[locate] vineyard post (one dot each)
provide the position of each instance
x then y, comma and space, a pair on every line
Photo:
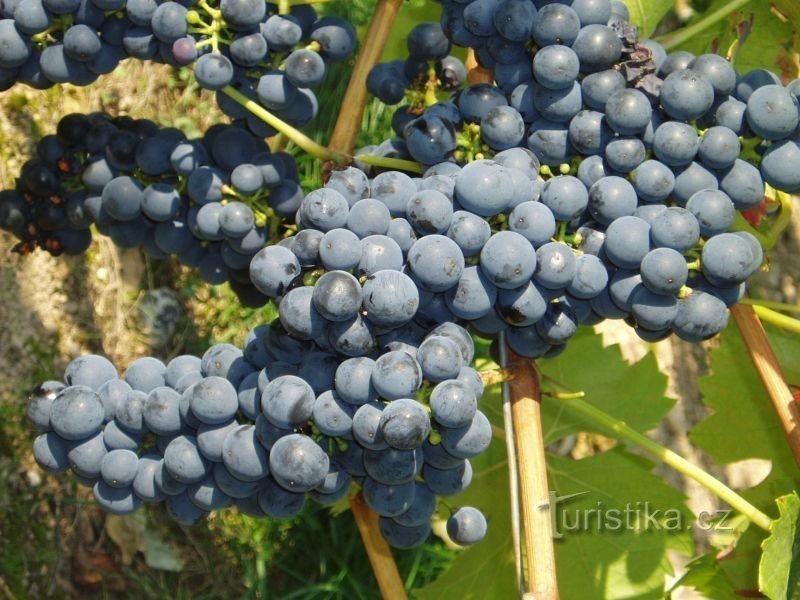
343, 140
536, 509
769, 370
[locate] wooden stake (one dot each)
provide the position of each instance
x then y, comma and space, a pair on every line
348, 124
475, 72
540, 561
769, 370
380, 555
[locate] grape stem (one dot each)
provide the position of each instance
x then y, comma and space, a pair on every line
684, 34
378, 551
769, 369
391, 163
492, 376
284, 7
794, 308
306, 143
771, 316
621, 431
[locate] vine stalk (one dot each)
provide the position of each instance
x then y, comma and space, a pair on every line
378, 551
622, 431
537, 525
765, 362
348, 124
295, 135
682, 35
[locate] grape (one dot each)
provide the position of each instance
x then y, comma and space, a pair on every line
700, 316
297, 463
453, 404
116, 500
368, 217
450, 481
183, 460
675, 228
145, 374
439, 358
664, 271
278, 502
776, 165
161, 411
210, 439
91, 371
743, 184
558, 324
597, 47
470, 440
76, 413
717, 70
653, 181
86, 455
692, 179
555, 67
214, 400
565, 196
50, 452
611, 198
508, 260
502, 128
719, 147
686, 95
243, 454
713, 210
726, 259
469, 232
144, 483
675, 144
555, 265
772, 112
590, 277
119, 467
466, 526
483, 188
273, 269
556, 24
628, 112
624, 154
436, 262
597, 88
627, 241
404, 424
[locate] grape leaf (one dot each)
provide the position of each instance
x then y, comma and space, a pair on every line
631, 393
767, 45
600, 558
779, 569
647, 14
742, 411
487, 569
704, 574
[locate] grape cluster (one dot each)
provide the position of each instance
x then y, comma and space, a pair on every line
428, 69
275, 59
210, 201
266, 427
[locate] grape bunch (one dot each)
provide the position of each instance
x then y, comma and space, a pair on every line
267, 427
274, 59
428, 69
213, 202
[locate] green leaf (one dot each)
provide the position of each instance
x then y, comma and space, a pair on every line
647, 14
779, 569
768, 44
743, 425
487, 569
598, 557
631, 393
704, 575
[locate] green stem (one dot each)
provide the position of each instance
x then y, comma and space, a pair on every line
795, 308
392, 163
686, 33
742, 224
284, 7
622, 431
783, 219
306, 143
776, 318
